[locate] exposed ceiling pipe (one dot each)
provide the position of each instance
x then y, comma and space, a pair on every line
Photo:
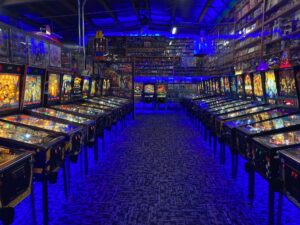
79, 23
83, 32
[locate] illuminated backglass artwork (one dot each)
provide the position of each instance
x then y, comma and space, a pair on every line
233, 85
66, 87
258, 85
9, 91
271, 89
54, 87
248, 85
85, 87
77, 86
227, 85
240, 85
33, 90
287, 83
93, 88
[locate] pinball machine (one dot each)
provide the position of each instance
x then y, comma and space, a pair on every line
289, 173
286, 105
48, 147
71, 97
273, 135
15, 181
32, 97
52, 96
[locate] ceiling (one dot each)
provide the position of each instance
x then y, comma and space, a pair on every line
115, 17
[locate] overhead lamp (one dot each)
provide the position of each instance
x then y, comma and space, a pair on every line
174, 30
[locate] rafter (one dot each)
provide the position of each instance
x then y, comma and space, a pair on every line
18, 2
173, 12
204, 11
109, 10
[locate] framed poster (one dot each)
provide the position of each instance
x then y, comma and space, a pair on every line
38, 52
66, 58
18, 47
4, 47
55, 55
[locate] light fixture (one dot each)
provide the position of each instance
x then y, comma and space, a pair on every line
174, 30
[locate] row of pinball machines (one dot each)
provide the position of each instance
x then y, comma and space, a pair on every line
47, 118
255, 115
149, 93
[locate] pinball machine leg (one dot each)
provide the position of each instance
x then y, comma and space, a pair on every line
69, 174
279, 208
32, 203
45, 200
210, 138
215, 145
205, 134
271, 207
65, 179
251, 180
86, 160
96, 150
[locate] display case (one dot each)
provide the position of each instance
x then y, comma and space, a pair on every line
290, 173
265, 151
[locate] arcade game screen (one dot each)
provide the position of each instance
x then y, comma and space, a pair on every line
161, 89
149, 89
54, 87
93, 88
287, 84
67, 86
271, 89
138, 88
233, 84
227, 85
77, 86
258, 85
33, 90
248, 85
85, 87
9, 91
240, 85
